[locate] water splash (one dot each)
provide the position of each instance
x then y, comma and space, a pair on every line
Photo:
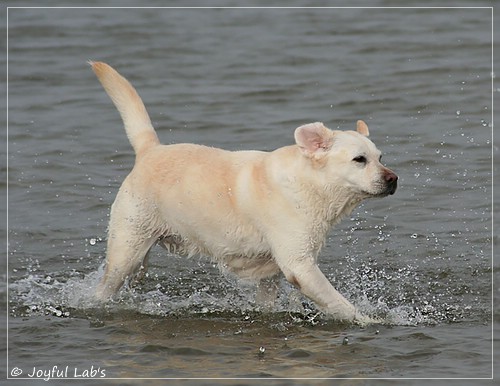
52, 294
395, 295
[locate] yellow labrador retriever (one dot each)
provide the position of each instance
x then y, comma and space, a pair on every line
255, 213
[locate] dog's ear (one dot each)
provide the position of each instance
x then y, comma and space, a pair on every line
362, 128
313, 137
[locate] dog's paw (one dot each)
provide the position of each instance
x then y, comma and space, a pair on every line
364, 320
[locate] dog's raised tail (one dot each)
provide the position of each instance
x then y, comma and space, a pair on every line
138, 127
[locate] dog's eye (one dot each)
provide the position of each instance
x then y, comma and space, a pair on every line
360, 159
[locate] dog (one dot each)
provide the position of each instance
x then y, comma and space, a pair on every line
254, 213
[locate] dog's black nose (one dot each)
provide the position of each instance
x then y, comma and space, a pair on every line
390, 177
392, 182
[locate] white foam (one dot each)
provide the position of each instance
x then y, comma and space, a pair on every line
55, 295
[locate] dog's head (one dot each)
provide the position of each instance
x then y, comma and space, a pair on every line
346, 158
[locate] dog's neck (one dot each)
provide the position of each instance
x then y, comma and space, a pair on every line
338, 208
335, 204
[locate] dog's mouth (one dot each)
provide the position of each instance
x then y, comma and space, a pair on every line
388, 189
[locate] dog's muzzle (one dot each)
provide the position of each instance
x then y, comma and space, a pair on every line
391, 181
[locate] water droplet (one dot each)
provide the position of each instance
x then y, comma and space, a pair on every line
414, 236
345, 342
92, 241
458, 112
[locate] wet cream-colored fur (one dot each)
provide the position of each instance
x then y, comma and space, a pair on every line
256, 213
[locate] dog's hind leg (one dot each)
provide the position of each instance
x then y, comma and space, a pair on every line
125, 257
143, 269
130, 237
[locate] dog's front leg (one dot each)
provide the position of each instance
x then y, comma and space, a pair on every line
308, 278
